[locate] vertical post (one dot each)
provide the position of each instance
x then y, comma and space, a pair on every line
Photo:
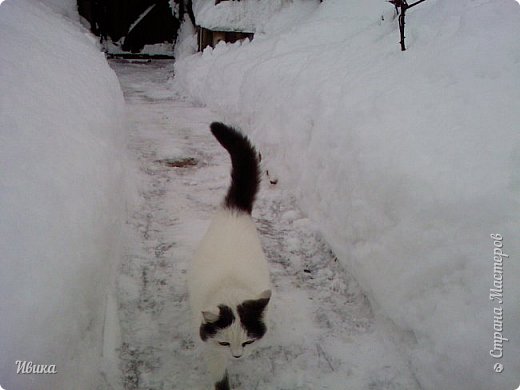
402, 15
403, 5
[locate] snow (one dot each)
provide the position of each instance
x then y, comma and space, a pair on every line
394, 169
62, 200
141, 17
323, 332
186, 43
408, 161
67, 8
245, 15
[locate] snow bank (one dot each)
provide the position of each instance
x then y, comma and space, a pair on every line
186, 43
409, 161
248, 16
62, 201
68, 8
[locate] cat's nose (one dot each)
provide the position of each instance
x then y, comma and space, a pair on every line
237, 351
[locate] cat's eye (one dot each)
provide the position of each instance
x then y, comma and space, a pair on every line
248, 342
223, 343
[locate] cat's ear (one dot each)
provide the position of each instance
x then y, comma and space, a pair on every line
210, 317
251, 313
265, 295
258, 304
263, 299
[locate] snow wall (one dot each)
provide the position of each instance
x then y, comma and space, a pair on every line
409, 161
62, 201
68, 8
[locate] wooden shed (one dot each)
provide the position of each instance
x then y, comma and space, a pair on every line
207, 37
230, 20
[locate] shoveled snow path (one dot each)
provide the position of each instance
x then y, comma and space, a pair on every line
324, 333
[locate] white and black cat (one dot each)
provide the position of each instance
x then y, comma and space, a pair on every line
228, 281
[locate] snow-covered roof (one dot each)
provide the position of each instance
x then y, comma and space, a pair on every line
244, 15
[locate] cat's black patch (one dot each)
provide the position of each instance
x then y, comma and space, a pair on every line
210, 329
245, 172
251, 315
223, 384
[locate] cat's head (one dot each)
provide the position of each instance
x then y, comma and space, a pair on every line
236, 328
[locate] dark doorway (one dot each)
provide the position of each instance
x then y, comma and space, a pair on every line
127, 26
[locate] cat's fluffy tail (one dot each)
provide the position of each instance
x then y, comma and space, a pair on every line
245, 172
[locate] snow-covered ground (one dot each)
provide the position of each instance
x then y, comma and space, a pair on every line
324, 333
408, 161
62, 201
393, 171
